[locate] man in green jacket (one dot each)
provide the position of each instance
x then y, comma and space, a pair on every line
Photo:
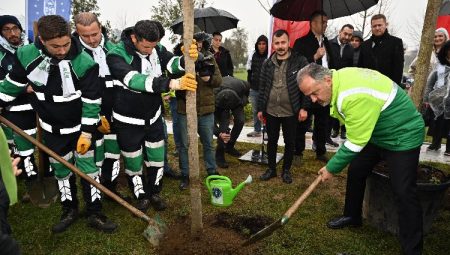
382, 124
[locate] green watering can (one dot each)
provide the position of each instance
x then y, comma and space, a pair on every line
221, 190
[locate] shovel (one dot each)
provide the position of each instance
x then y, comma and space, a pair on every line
156, 227
267, 231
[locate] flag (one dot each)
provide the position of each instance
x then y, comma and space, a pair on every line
38, 8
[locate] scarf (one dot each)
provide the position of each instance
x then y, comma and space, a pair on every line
150, 64
99, 56
39, 75
5, 44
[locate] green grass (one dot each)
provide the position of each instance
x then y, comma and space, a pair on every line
305, 233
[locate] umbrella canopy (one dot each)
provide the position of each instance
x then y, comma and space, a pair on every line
445, 8
299, 10
209, 20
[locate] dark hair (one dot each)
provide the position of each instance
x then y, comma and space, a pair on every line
317, 14
146, 29
378, 16
442, 54
161, 30
280, 32
53, 26
347, 25
217, 33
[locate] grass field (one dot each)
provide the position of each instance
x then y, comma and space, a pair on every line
306, 232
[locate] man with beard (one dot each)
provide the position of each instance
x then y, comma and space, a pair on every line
137, 111
367, 102
92, 36
382, 51
66, 93
18, 111
280, 102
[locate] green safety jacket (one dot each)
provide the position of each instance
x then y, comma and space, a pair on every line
374, 110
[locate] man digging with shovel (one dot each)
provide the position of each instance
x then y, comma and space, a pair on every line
382, 124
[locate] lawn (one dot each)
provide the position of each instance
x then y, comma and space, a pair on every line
305, 233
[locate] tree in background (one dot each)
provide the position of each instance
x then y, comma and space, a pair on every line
167, 11
237, 45
79, 6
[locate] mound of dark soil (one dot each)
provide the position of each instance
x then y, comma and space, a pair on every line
222, 234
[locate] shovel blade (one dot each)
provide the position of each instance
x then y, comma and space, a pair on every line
44, 192
155, 231
265, 232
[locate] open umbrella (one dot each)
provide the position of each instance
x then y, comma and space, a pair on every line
209, 20
297, 10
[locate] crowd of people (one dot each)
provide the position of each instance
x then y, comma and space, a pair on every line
100, 104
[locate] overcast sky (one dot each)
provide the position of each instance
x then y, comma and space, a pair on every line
250, 13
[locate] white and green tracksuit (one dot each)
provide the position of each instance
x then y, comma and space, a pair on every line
374, 110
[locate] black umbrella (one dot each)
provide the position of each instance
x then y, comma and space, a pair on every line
445, 8
209, 20
302, 9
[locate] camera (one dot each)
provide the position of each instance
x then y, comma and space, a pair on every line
205, 66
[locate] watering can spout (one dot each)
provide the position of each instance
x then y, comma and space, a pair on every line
241, 185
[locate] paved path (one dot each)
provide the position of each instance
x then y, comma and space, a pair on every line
433, 156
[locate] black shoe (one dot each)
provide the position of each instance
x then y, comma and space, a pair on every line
322, 158
222, 163
215, 172
343, 222
286, 176
157, 202
143, 205
343, 135
434, 147
101, 222
233, 152
169, 173
184, 183
332, 143
69, 216
334, 134
269, 174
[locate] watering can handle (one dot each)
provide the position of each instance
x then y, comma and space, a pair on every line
215, 177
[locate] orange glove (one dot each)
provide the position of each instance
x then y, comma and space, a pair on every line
105, 128
187, 82
193, 52
84, 142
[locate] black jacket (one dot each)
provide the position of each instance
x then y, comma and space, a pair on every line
223, 60
335, 54
308, 45
123, 61
384, 54
294, 64
256, 64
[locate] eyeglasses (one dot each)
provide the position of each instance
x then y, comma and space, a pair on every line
10, 30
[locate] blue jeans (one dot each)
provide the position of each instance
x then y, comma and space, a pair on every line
205, 125
175, 127
254, 101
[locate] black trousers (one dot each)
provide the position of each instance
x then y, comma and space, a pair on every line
222, 118
403, 175
320, 129
288, 125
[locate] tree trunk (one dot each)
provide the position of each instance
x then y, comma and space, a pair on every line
426, 47
191, 111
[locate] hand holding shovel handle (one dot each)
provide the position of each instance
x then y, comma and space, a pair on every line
286, 216
154, 231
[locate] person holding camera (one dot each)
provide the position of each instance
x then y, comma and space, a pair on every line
208, 77
231, 97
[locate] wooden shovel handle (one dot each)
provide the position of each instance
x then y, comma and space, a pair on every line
77, 171
302, 198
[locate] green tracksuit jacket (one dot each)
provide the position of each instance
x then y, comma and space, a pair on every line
374, 110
